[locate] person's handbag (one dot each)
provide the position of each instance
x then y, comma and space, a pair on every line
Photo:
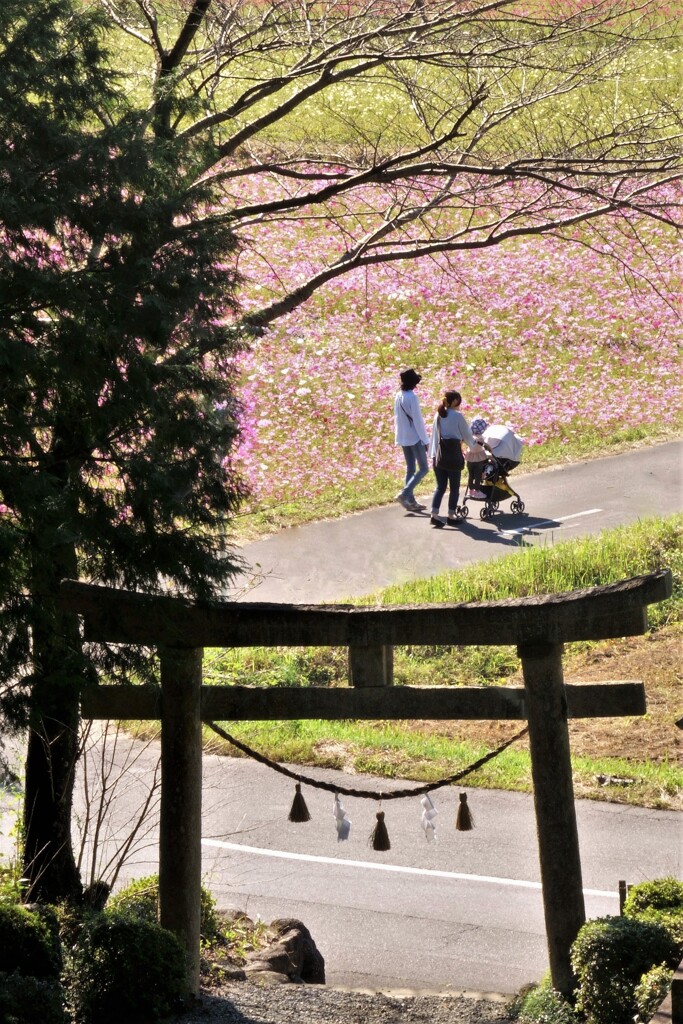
449, 453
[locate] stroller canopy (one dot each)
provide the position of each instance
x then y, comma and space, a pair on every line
504, 443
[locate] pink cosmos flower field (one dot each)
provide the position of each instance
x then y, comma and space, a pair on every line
562, 340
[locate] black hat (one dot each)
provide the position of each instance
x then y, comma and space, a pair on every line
409, 379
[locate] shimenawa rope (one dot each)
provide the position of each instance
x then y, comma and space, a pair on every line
332, 787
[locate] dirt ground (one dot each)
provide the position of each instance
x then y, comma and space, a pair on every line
657, 661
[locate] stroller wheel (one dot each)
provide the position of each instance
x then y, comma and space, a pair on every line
517, 506
484, 512
462, 511
495, 505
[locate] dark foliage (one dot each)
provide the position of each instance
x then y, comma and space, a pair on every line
29, 1000
117, 417
610, 956
122, 968
28, 943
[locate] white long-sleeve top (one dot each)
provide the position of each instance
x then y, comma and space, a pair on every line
452, 425
408, 422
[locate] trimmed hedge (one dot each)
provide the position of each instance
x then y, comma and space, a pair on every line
659, 894
29, 944
122, 968
660, 902
609, 957
141, 898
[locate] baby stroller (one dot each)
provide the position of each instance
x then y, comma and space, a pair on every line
505, 452
496, 486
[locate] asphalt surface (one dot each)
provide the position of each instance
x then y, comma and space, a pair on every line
358, 554
463, 913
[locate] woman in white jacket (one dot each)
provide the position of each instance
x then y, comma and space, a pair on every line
411, 434
449, 425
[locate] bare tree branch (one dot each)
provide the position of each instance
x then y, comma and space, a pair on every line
436, 114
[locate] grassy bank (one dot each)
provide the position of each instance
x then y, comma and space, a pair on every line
634, 759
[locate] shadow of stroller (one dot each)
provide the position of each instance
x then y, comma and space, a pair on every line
510, 529
516, 526
484, 532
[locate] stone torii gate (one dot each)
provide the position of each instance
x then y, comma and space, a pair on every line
537, 626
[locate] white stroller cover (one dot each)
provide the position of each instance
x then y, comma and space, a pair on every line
504, 443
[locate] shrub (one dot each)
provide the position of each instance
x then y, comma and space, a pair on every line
542, 1004
610, 957
661, 902
141, 898
669, 919
10, 883
123, 968
659, 894
27, 1000
28, 942
651, 990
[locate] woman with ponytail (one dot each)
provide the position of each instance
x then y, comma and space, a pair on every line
449, 431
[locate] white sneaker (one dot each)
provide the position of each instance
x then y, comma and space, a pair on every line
478, 495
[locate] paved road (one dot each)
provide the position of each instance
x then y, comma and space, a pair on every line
424, 926
463, 913
358, 554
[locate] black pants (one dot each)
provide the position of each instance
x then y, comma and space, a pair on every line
446, 478
475, 470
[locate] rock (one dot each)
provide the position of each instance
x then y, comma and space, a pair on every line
312, 961
227, 973
293, 954
614, 780
284, 957
273, 978
235, 917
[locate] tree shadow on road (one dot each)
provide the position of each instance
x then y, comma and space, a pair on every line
212, 1008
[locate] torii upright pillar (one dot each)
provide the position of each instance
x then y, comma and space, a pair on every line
180, 851
558, 837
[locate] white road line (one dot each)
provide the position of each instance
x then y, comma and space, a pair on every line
371, 866
551, 522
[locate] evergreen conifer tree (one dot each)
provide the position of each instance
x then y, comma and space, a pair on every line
116, 409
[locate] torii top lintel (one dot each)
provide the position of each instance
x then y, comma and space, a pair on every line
595, 613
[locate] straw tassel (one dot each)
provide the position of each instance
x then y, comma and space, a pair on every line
299, 811
464, 822
380, 836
